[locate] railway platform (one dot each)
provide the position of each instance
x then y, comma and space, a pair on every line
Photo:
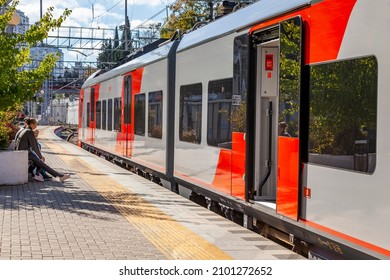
104, 212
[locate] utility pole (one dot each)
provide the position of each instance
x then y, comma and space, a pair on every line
211, 7
126, 27
41, 8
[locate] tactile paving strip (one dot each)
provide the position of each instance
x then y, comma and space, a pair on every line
170, 237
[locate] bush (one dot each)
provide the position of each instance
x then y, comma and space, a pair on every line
4, 137
7, 128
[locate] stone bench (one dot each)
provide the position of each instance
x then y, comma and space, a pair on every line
13, 167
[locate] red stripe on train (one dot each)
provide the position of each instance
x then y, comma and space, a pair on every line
325, 26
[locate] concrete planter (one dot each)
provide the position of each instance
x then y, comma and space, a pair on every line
13, 167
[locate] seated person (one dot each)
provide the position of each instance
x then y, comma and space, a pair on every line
283, 129
21, 129
39, 171
27, 140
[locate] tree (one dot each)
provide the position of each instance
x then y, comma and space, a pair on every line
106, 55
7, 129
116, 38
184, 15
343, 105
17, 85
290, 73
126, 47
117, 55
114, 50
150, 34
103, 55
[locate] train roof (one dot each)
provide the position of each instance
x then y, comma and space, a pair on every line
243, 18
150, 57
239, 20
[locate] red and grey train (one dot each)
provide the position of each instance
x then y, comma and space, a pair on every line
277, 112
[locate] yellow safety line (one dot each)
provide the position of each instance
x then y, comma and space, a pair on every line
173, 239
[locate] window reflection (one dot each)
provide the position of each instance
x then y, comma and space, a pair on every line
240, 87
219, 112
104, 115
109, 118
290, 77
88, 114
343, 114
155, 114
139, 114
190, 113
98, 114
117, 113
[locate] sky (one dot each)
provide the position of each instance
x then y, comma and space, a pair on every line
98, 13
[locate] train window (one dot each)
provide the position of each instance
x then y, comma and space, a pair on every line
104, 115
139, 114
155, 114
92, 104
240, 82
219, 113
117, 113
290, 77
127, 100
190, 113
343, 114
98, 114
88, 114
109, 117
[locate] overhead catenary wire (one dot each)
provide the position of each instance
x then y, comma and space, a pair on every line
149, 19
109, 9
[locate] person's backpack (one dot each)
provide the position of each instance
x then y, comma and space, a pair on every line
17, 139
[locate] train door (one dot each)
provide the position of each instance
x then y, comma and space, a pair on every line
127, 119
278, 76
92, 116
81, 118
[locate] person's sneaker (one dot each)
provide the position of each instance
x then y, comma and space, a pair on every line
38, 178
46, 177
64, 177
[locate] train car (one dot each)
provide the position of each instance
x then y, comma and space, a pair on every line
123, 116
275, 113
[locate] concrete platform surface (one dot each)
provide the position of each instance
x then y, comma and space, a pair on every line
104, 212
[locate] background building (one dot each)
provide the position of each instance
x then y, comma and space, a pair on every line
38, 54
23, 25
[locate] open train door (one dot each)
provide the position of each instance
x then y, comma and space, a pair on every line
277, 133
289, 125
81, 118
91, 114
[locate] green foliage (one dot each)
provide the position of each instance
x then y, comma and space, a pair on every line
240, 90
343, 105
184, 15
7, 128
343, 98
106, 55
18, 85
290, 73
239, 117
4, 138
123, 37
113, 51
